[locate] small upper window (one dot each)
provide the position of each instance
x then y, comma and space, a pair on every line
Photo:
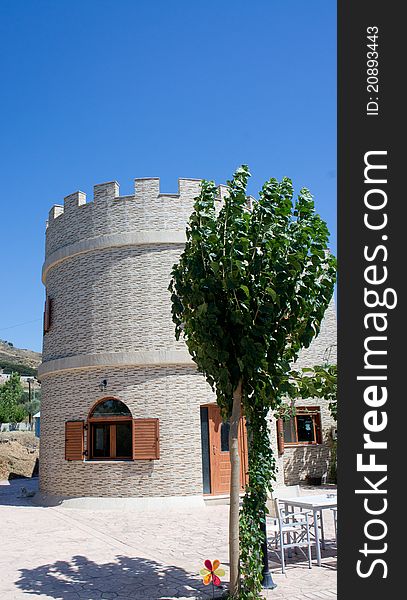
111, 408
47, 314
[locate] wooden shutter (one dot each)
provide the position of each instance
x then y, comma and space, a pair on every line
47, 314
74, 440
280, 436
146, 443
318, 428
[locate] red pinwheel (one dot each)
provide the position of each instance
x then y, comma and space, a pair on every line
211, 573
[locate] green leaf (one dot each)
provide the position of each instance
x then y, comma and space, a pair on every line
271, 292
246, 290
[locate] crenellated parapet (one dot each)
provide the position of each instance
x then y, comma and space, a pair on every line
147, 210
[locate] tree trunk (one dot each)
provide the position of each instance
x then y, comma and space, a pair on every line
234, 549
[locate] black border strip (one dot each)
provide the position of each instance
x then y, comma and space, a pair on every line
364, 128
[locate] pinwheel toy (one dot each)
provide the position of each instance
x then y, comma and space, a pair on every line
211, 574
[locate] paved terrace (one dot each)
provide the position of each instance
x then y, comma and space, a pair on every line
72, 554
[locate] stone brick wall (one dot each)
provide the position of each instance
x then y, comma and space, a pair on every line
323, 348
171, 394
112, 300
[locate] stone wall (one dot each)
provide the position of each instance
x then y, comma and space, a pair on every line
112, 300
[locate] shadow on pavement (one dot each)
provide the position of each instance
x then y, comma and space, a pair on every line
126, 578
18, 491
298, 561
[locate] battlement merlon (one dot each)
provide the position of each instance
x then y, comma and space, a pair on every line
55, 211
106, 191
74, 200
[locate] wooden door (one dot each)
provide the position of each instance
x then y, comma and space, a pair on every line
219, 456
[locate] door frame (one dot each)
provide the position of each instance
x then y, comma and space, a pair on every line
243, 451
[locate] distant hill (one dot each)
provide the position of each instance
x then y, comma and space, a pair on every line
23, 361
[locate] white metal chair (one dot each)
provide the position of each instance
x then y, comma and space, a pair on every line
287, 491
288, 530
292, 491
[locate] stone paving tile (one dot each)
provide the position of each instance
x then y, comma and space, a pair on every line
72, 554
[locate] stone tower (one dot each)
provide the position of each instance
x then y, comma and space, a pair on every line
109, 334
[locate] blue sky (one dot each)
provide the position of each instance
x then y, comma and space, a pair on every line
98, 90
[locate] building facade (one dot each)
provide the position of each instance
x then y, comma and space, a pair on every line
124, 411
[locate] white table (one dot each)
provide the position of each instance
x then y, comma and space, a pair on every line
316, 504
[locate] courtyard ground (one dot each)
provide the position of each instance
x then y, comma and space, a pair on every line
61, 553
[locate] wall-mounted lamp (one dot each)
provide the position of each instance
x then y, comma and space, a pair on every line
103, 385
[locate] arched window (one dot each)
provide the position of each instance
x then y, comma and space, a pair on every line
110, 407
110, 431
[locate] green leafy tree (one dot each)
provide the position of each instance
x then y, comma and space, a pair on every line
31, 402
10, 394
320, 381
31, 408
249, 291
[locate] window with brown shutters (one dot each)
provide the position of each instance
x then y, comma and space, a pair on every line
47, 314
74, 445
146, 442
303, 428
112, 434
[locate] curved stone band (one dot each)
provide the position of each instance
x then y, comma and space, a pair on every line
114, 240
117, 359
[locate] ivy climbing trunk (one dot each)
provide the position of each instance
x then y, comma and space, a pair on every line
234, 550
